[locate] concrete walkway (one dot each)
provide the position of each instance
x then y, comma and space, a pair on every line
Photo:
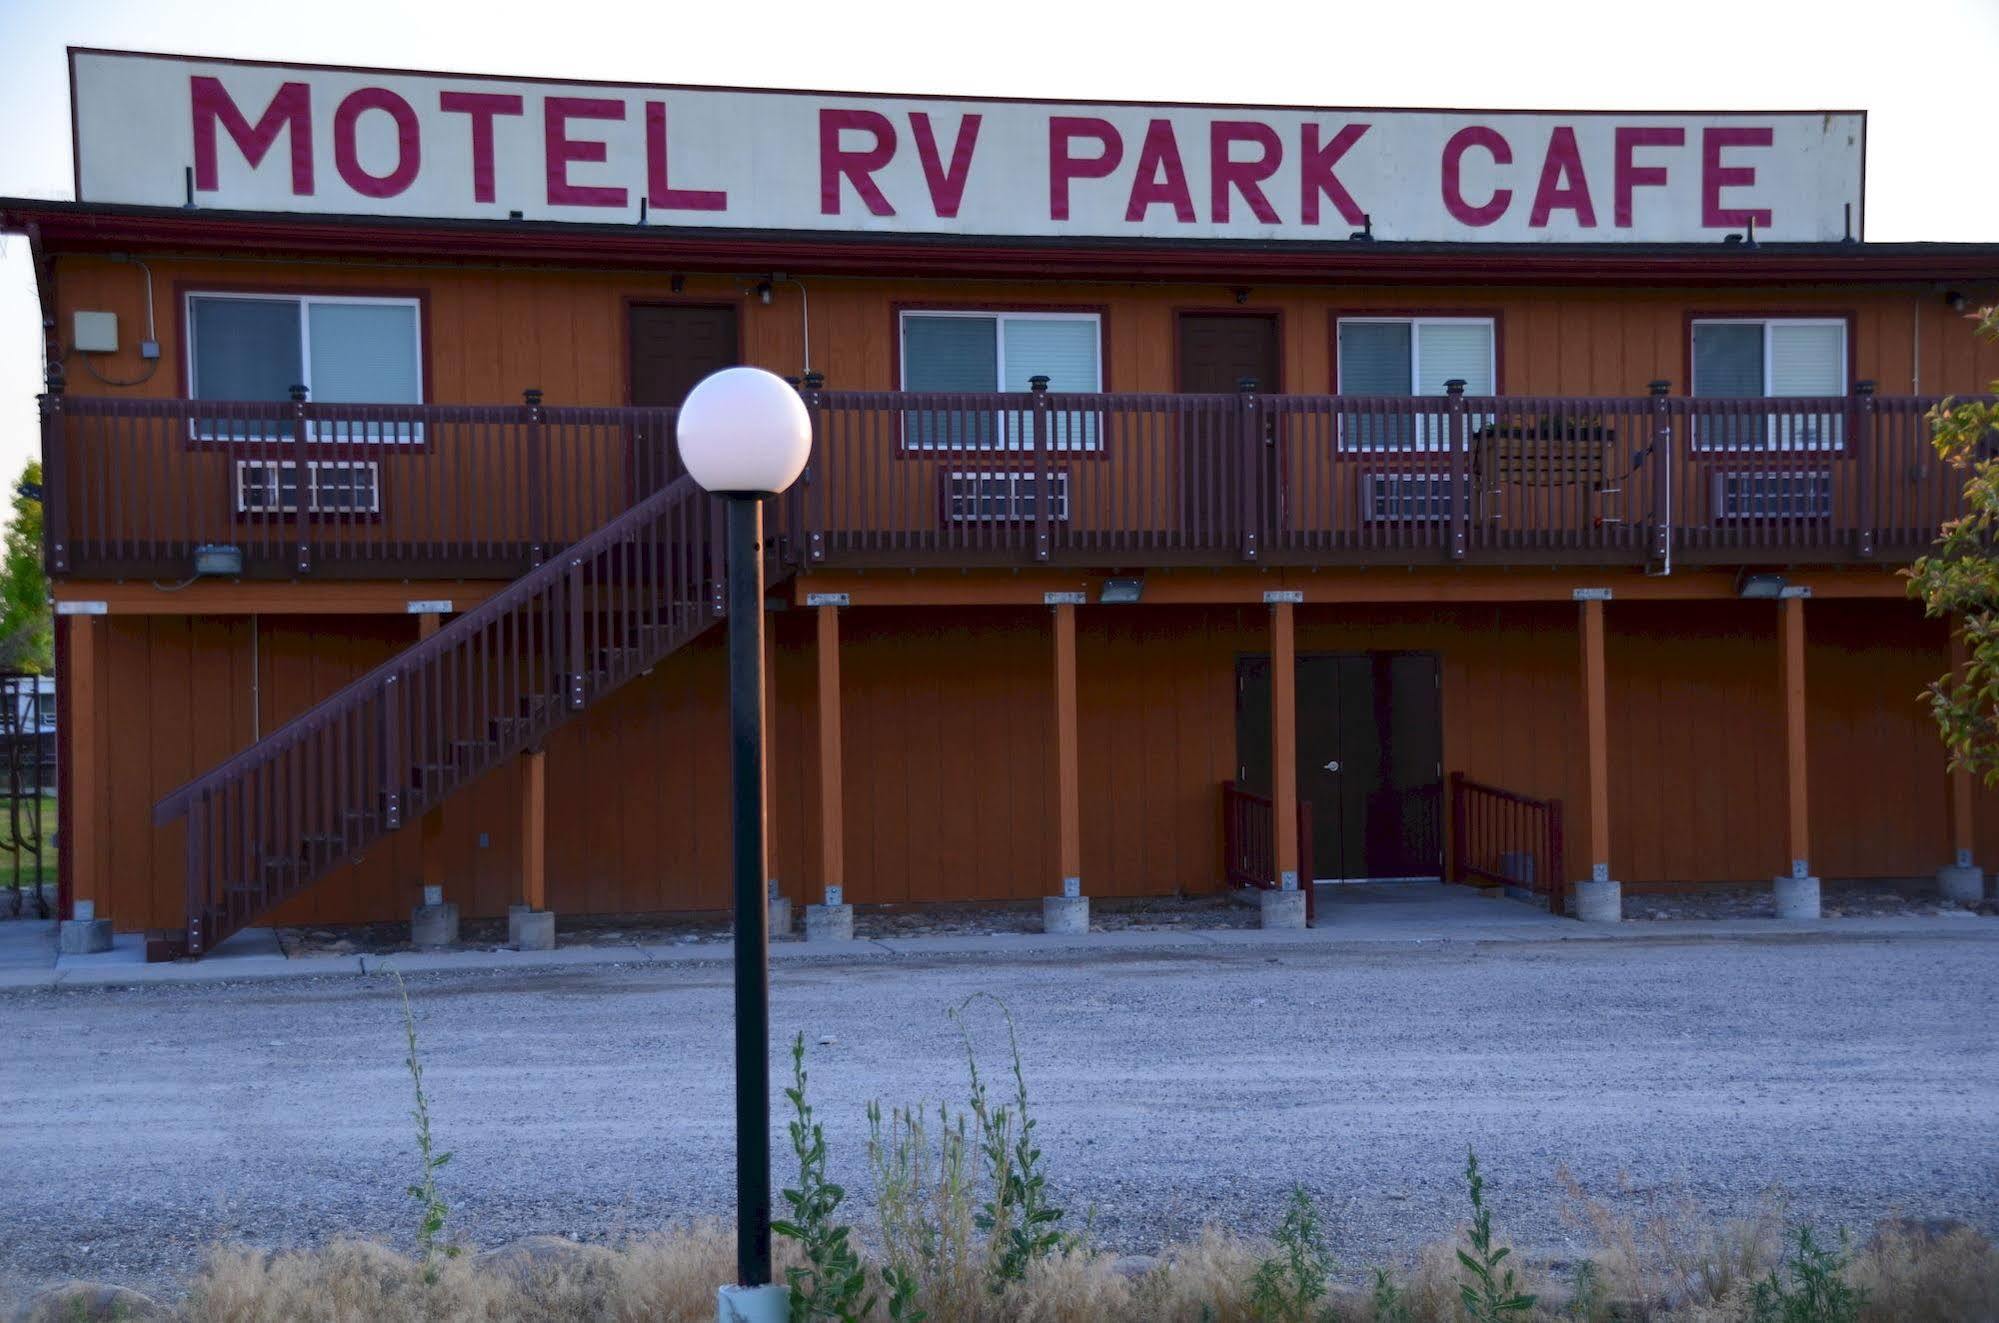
1410, 915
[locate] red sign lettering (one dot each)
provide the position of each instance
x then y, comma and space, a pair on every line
1495, 144
1632, 176
1063, 130
1161, 177
1245, 177
290, 108
947, 187
1563, 185
561, 149
482, 107
1715, 176
858, 166
660, 191
1316, 178
409, 143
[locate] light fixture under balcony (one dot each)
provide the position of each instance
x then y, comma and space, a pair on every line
218, 559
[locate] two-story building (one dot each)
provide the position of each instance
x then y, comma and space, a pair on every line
1200, 496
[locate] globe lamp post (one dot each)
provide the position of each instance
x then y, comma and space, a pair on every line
744, 435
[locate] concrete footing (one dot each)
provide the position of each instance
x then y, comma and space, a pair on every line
753, 1304
84, 937
1597, 902
1797, 897
829, 923
780, 916
1067, 915
529, 929
1283, 909
434, 925
1961, 882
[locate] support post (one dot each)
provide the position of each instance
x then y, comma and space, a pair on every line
1797, 890
302, 503
430, 830
832, 793
1599, 898
1284, 744
752, 936
534, 829
1962, 879
1068, 911
85, 822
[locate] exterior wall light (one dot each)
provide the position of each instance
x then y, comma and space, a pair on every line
1761, 587
218, 559
744, 435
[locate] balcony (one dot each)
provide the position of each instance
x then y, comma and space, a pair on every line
312, 491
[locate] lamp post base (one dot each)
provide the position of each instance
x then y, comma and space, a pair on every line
753, 1304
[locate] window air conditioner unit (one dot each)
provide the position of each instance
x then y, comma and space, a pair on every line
334, 486
1791, 494
1405, 498
996, 496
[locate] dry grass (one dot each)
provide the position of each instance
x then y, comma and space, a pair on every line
1661, 1266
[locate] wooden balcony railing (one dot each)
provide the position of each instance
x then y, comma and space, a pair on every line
136, 487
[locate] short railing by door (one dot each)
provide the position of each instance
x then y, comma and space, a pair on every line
1502, 838
1249, 842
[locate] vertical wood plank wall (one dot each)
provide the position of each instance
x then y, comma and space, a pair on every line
491, 332
948, 748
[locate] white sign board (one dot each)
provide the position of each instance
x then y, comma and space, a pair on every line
164, 130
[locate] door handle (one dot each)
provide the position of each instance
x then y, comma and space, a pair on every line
1333, 766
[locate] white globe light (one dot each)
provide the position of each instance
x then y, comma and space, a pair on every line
744, 430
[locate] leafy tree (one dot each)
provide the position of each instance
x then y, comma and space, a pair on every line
1960, 580
27, 634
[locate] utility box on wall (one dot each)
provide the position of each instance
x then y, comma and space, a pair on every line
94, 333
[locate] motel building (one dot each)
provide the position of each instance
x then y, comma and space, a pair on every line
1200, 497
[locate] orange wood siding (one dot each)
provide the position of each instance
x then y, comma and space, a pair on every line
491, 332
948, 752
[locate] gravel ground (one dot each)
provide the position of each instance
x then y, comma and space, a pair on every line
1173, 1087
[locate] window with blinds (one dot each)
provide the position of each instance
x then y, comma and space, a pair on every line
1409, 357
987, 352
1754, 359
342, 350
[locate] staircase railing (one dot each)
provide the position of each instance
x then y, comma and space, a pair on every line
1503, 838
385, 749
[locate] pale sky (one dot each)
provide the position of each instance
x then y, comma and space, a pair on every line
1921, 68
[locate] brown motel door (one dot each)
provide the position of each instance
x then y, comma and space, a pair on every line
673, 346
1370, 759
1217, 352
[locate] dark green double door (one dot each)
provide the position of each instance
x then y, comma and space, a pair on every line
1370, 758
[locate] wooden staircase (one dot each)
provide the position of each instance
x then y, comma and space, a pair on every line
493, 683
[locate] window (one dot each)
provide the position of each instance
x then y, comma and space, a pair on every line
1409, 356
1762, 359
256, 347
985, 352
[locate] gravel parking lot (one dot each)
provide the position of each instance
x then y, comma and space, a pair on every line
1173, 1087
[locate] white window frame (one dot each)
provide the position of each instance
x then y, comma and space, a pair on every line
1430, 434
397, 433
1008, 434
1780, 434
